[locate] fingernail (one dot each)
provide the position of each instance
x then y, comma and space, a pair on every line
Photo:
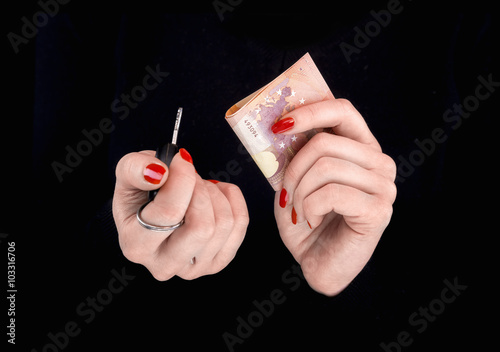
154, 173
283, 125
283, 198
294, 216
309, 225
214, 181
185, 155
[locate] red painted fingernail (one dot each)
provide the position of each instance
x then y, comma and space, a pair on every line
185, 155
154, 173
283, 125
309, 225
294, 216
214, 181
283, 198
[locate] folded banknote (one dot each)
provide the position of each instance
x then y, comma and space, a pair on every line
251, 118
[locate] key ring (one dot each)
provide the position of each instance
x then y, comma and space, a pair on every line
155, 227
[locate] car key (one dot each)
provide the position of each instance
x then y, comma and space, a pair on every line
167, 152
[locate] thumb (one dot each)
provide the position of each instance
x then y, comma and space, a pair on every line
137, 172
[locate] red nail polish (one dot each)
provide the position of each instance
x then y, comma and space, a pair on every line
283, 125
294, 216
309, 225
154, 173
283, 198
185, 155
214, 181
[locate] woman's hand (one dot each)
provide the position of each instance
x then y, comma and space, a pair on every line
337, 194
216, 216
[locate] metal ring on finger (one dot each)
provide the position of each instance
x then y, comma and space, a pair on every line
155, 227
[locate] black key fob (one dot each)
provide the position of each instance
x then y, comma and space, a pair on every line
167, 152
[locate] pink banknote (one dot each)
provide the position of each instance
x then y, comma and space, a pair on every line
251, 118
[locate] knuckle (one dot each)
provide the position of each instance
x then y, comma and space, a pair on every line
214, 270
203, 230
388, 166
385, 211
392, 192
242, 220
346, 106
386, 189
233, 190
380, 214
161, 274
385, 215
221, 261
389, 169
321, 141
332, 193
308, 206
236, 199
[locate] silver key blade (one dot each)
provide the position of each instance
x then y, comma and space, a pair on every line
176, 126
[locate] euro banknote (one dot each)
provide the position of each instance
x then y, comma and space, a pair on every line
252, 118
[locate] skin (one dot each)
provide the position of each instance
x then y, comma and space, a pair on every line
342, 188
340, 185
216, 218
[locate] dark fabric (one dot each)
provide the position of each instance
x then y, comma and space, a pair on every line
403, 81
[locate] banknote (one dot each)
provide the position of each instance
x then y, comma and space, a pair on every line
251, 118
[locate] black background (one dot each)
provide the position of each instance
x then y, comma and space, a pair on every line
443, 227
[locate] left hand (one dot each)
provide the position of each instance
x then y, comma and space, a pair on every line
337, 195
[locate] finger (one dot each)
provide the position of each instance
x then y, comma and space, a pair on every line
240, 223
137, 243
332, 170
139, 171
340, 253
328, 145
224, 247
187, 241
339, 114
134, 173
174, 197
363, 213
224, 223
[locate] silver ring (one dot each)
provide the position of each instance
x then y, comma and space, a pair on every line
155, 227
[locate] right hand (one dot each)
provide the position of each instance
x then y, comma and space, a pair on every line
216, 217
